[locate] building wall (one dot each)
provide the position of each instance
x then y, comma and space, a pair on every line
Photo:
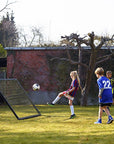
31, 66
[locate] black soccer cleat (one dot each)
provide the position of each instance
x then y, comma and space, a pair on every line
50, 104
72, 116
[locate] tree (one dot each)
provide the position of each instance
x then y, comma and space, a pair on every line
8, 31
3, 52
34, 38
95, 43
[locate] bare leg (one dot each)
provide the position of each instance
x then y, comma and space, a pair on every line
99, 121
100, 112
106, 111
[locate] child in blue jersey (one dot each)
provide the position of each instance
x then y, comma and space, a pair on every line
70, 93
109, 76
105, 95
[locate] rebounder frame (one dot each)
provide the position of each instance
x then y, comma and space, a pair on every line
13, 111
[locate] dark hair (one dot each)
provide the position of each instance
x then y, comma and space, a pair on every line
109, 72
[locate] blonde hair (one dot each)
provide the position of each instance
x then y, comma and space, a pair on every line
75, 75
99, 71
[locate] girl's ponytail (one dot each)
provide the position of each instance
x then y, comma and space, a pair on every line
75, 74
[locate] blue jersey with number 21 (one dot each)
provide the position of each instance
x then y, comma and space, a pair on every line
104, 83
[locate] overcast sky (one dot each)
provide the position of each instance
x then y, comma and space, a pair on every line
63, 17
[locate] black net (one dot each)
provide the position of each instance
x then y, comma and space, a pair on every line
17, 99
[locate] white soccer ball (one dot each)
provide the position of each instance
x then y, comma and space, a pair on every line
36, 87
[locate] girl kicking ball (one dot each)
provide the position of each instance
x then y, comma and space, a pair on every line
70, 93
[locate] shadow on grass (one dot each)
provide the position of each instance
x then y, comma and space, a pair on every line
52, 137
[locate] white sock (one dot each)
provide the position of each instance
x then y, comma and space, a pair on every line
56, 100
72, 109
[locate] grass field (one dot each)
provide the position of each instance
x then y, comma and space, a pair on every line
55, 127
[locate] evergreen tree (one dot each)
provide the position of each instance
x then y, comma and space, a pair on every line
8, 31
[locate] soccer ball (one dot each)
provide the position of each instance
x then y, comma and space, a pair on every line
36, 87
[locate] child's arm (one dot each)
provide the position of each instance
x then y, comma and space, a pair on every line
71, 90
100, 92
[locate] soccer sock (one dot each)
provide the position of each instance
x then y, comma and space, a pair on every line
72, 109
56, 100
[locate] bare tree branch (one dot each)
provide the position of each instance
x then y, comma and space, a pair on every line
75, 37
105, 58
6, 5
91, 40
79, 39
35, 38
71, 61
32, 38
68, 54
103, 41
99, 58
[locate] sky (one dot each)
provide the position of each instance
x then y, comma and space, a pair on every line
57, 18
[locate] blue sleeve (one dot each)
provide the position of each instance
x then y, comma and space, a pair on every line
100, 84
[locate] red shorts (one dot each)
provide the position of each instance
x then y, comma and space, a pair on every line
68, 96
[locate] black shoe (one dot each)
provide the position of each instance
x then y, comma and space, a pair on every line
72, 116
50, 104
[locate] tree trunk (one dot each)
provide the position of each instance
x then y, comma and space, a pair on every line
89, 74
84, 98
86, 89
79, 66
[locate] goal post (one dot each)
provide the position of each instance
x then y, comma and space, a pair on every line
17, 99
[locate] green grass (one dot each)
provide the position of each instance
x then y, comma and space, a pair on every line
55, 127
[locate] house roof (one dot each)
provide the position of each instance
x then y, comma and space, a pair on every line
50, 48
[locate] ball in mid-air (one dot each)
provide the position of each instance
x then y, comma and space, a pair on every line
36, 87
